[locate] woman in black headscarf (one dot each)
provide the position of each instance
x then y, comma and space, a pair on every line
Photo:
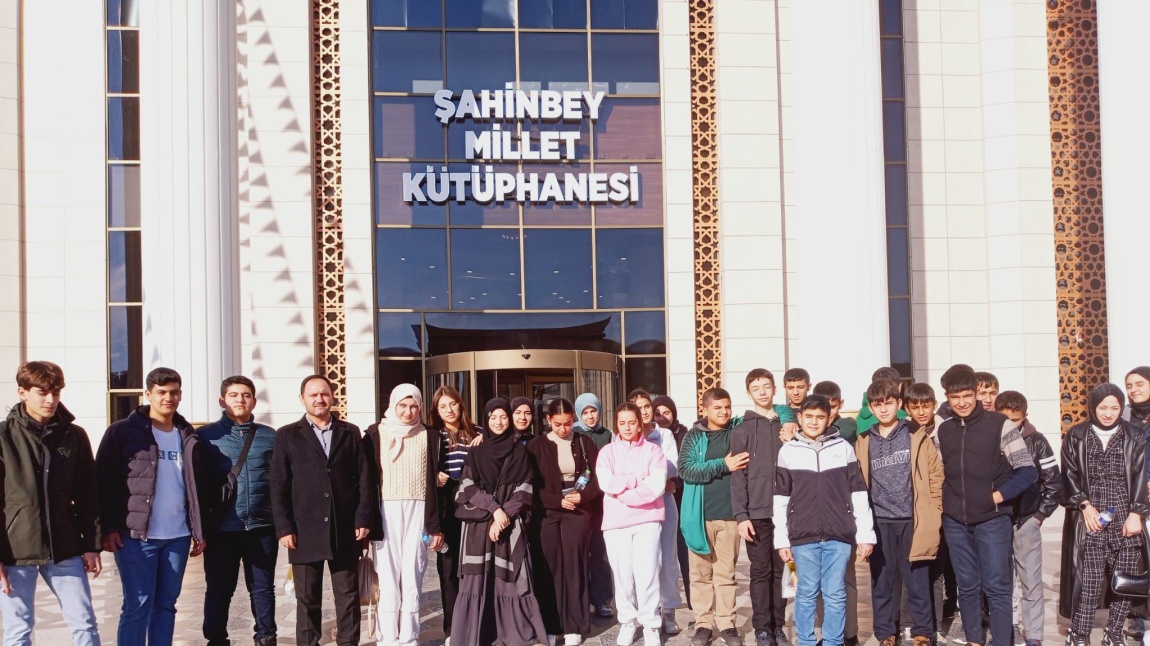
1105, 495
522, 417
1138, 389
496, 602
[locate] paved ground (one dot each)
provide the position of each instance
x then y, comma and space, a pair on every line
106, 590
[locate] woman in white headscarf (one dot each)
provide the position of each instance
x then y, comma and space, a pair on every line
404, 458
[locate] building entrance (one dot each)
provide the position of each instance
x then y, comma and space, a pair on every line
539, 375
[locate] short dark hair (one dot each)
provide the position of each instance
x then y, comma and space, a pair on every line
44, 375
639, 393
1011, 400
957, 379
303, 384
759, 373
919, 393
796, 374
163, 376
816, 402
882, 390
886, 372
828, 389
986, 379
234, 380
714, 394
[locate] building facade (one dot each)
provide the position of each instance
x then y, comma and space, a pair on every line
536, 197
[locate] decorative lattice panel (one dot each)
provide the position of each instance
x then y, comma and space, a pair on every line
705, 180
1076, 155
327, 171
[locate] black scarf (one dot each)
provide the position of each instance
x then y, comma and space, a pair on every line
499, 459
1095, 398
1140, 410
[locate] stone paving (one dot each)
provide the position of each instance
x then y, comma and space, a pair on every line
106, 591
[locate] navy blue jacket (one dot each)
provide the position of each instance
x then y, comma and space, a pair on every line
251, 508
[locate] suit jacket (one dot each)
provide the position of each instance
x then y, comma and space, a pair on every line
321, 499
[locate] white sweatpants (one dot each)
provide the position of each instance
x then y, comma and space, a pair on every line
634, 555
669, 597
400, 559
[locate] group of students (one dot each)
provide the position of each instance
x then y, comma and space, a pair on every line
534, 533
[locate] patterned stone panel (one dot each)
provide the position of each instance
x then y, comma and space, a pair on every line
705, 180
1076, 155
327, 172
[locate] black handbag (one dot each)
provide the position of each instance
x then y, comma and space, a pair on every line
1130, 585
228, 489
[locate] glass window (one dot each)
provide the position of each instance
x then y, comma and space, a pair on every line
629, 266
480, 60
557, 268
646, 332
553, 61
485, 269
557, 213
648, 373
124, 274
121, 405
647, 210
900, 339
400, 334
411, 268
125, 354
124, 13
553, 14
894, 131
896, 194
407, 127
472, 213
624, 14
582, 146
123, 195
480, 13
892, 71
406, 13
890, 17
461, 332
897, 254
123, 127
457, 136
407, 61
123, 61
629, 129
393, 372
389, 193
625, 63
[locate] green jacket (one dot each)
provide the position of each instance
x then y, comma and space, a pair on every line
48, 477
866, 419
696, 471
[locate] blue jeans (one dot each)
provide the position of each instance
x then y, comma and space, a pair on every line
822, 567
152, 573
983, 559
68, 581
257, 549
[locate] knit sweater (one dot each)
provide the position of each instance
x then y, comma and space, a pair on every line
633, 476
406, 477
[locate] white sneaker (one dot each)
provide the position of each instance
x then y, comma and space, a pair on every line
551, 639
627, 633
651, 636
670, 627
572, 639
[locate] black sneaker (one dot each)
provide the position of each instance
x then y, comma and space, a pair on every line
781, 637
702, 637
1074, 639
731, 637
764, 638
851, 641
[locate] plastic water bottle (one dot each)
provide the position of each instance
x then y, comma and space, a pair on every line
1105, 517
442, 546
583, 480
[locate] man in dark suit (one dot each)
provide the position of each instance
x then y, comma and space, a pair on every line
323, 503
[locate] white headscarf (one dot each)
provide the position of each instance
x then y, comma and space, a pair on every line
391, 427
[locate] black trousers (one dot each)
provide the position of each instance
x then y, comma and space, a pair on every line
685, 565
256, 550
768, 607
561, 579
600, 581
309, 593
447, 565
890, 559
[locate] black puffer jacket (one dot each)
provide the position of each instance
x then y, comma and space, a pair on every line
753, 488
49, 489
126, 466
1045, 495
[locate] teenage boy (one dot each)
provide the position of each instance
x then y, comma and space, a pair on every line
847, 426
243, 531
796, 383
865, 418
708, 520
752, 492
51, 529
987, 389
153, 494
981, 452
903, 473
817, 477
1035, 505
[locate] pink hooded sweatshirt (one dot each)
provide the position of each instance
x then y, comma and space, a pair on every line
633, 477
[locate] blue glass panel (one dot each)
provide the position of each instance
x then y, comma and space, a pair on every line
897, 262
894, 131
485, 269
481, 13
900, 336
625, 63
406, 13
407, 61
896, 194
553, 14
124, 128
124, 273
480, 60
557, 268
629, 129
629, 265
407, 127
400, 334
123, 195
624, 14
890, 17
892, 69
553, 61
648, 373
123, 61
472, 213
646, 332
124, 13
126, 346
557, 213
411, 268
647, 210
389, 205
